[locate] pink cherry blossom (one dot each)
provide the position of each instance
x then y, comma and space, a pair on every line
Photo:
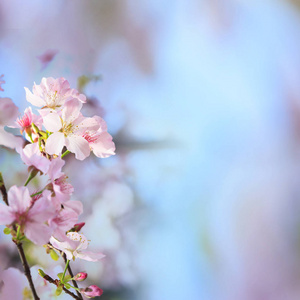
32, 156
74, 247
8, 113
52, 93
1, 82
67, 130
31, 217
65, 218
15, 285
91, 291
25, 122
100, 141
61, 189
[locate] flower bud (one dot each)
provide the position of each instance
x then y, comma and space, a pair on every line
78, 226
80, 276
91, 291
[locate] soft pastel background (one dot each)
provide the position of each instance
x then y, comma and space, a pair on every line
202, 97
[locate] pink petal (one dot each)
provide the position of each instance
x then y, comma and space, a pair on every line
38, 233
55, 143
6, 215
51, 120
75, 205
19, 198
32, 156
42, 209
8, 111
71, 110
63, 246
104, 146
9, 140
33, 99
78, 145
89, 256
55, 168
83, 124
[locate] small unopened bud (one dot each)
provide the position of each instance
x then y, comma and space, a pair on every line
80, 276
41, 273
91, 291
78, 226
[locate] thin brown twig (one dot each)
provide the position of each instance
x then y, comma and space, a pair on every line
56, 282
26, 269
3, 189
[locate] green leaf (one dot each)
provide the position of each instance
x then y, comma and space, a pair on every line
67, 286
67, 278
7, 230
60, 275
59, 290
54, 255
41, 273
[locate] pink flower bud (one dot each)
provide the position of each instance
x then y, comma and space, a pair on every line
78, 226
91, 291
80, 276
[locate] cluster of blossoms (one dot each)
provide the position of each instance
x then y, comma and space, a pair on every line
48, 216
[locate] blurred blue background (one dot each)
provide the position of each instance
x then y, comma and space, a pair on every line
202, 97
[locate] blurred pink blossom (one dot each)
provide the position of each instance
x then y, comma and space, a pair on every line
1, 82
30, 217
91, 291
8, 113
47, 57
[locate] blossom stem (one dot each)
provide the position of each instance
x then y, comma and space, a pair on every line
63, 277
31, 176
72, 275
65, 153
38, 193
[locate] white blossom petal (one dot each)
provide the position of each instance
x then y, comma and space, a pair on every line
55, 143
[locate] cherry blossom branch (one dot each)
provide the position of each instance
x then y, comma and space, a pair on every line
19, 245
56, 282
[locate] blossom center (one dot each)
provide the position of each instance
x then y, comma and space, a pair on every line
90, 137
25, 121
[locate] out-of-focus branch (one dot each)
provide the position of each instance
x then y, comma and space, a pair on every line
3, 189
